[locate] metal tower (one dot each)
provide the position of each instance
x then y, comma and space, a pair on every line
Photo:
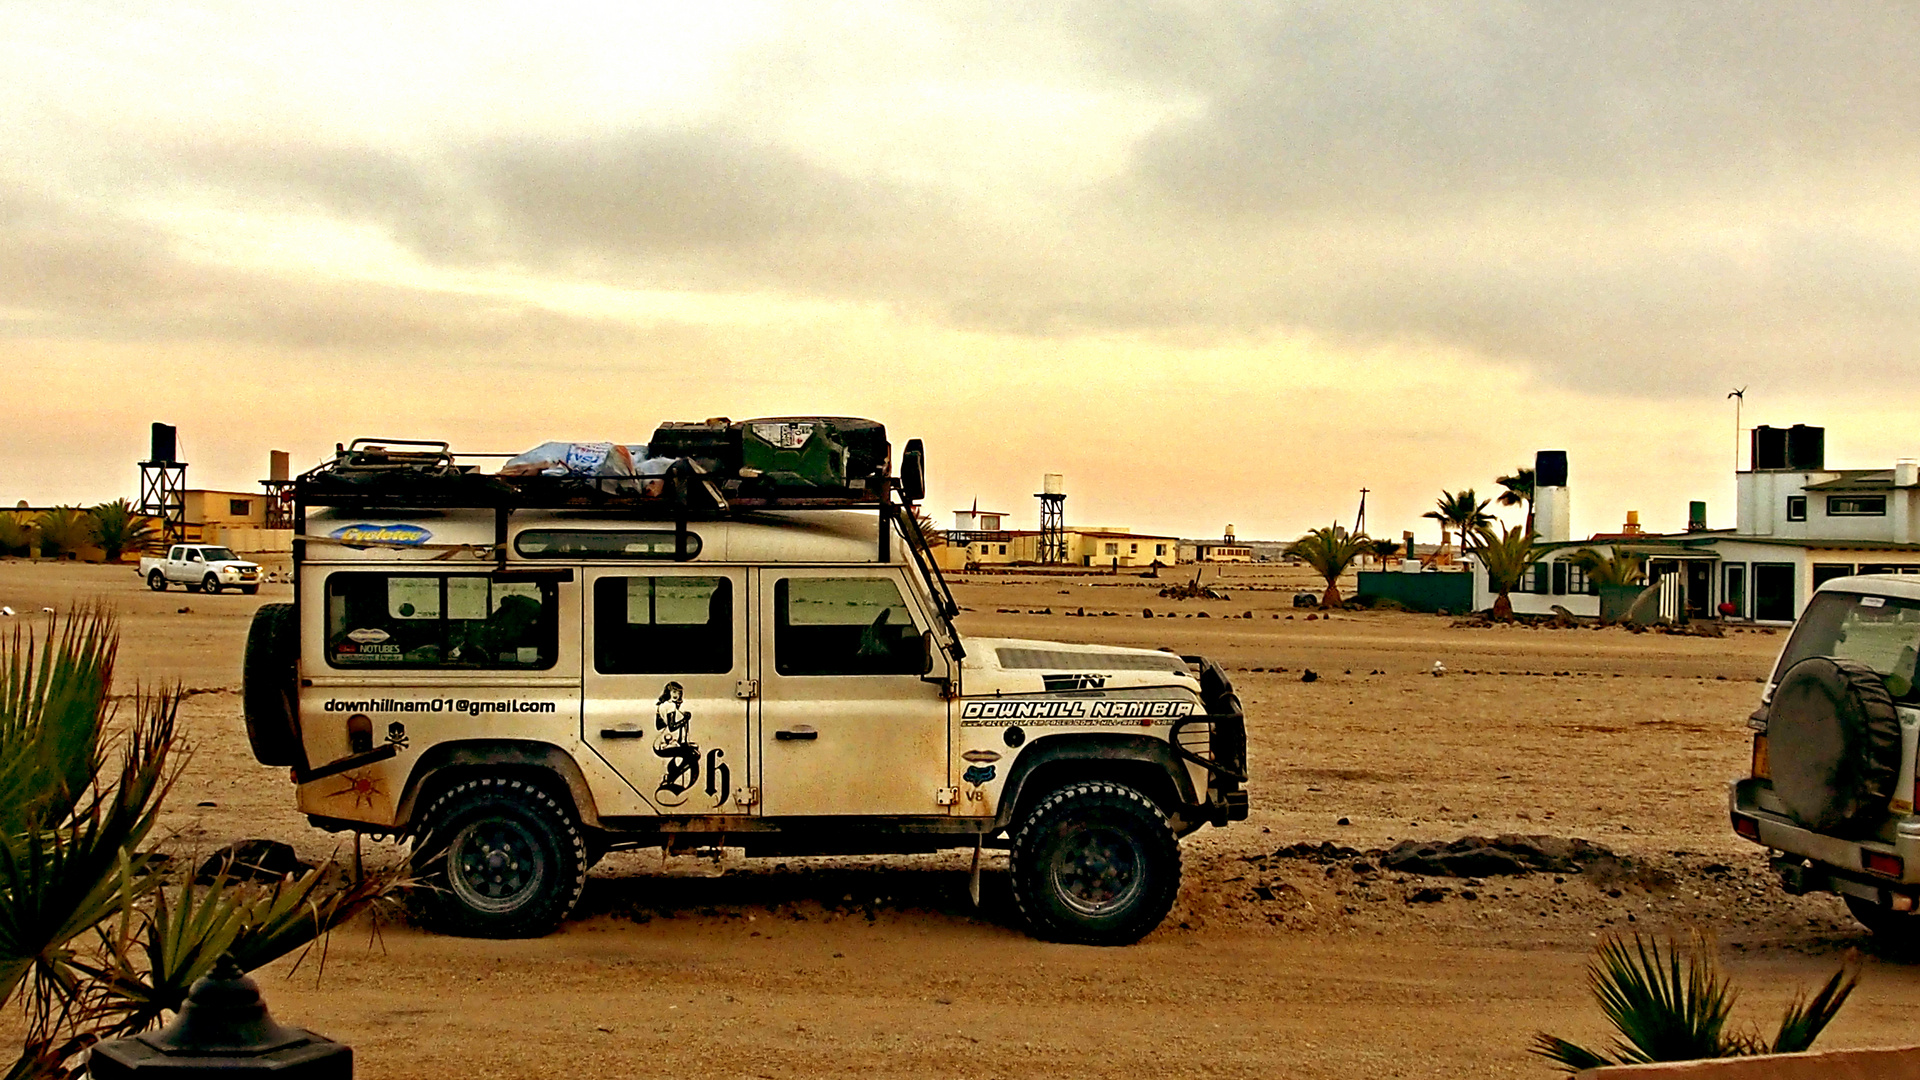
1053, 516
163, 486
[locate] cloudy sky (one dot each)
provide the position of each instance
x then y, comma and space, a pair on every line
1216, 262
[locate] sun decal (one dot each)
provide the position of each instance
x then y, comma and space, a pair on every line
363, 788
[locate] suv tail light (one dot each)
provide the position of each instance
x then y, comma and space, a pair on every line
1762, 766
1746, 827
1885, 865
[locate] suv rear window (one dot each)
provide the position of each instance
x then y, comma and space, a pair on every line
441, 621
1882, 632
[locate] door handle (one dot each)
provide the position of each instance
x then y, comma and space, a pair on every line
796, 733
623, 733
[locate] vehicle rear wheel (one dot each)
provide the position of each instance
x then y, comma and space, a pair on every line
157, 581
1095, 863
210, 584
1897, 930
499, 858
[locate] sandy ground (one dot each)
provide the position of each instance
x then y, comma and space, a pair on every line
1274, 963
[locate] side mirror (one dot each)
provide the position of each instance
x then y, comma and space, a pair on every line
913, 471
927, 649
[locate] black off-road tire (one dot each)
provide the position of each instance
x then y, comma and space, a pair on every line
1095, 863
1833, 736
210, 584
498, 857
269, 685
1896, 931
157, 581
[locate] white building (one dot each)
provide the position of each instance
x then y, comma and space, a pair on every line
1797, 525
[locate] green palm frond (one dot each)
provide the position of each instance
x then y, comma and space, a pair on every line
1805, 1020
1571, 1055
117, 529
1616, 568
1462, 511
64, 530
1329, 552
16, 532
1517, 486
1506, 554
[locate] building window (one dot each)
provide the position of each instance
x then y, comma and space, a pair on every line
1540, 578
1111, 549
1796, 508
1133, 549
1003, 549
1855, 506
1159, 549
239, 507
1825, 572
1773, 599
1577, 580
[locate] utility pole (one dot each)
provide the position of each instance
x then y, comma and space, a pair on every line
1360, 519
1739, 398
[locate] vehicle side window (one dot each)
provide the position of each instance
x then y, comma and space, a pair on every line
663, 625
844, 626
441, 620
193, 554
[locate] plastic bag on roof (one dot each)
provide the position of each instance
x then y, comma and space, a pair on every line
572, 459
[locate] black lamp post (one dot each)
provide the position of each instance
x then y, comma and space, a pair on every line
223, 1031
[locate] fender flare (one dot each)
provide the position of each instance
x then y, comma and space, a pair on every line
1055, 749
497, 754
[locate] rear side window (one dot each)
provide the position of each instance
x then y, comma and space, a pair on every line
844, 626
663, 625
1882, 632
441, 621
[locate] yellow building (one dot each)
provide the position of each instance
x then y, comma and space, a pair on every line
237, 519
1086, 546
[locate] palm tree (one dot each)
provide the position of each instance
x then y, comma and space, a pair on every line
1518, 487
1383, 549
64, 530
1615, 568
1506, 554
117, 529
1667, 1008
1463, 512
95, 943
16, 533
1329, 551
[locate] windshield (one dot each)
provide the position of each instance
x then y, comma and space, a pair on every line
218, 555
1881, 632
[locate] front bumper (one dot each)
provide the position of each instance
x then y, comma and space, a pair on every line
1840, 864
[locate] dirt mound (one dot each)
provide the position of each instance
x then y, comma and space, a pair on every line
1498, 856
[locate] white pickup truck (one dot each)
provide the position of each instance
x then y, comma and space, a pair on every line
201, 568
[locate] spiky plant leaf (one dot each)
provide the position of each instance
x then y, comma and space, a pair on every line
1666, 1007
1806, 1019
1571, 1056
117, 528
64, 530
1329, 551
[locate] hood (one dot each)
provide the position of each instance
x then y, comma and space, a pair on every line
1020, 666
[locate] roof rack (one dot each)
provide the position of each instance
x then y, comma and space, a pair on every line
371, 474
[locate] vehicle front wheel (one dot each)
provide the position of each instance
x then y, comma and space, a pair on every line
157, 581
499, 858
1095, 863
1896, 930
210, 584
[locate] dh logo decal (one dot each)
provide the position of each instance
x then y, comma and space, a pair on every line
674, 721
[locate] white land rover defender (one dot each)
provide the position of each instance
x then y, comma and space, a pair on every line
1832, 785
743, 642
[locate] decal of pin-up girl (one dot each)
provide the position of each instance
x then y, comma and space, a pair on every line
674, 721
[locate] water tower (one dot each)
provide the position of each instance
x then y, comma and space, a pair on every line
1053, 516
163, 485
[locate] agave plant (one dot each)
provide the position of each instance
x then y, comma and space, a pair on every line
116, 528
16, 532
1507, 554
95, 940
1668, 1007
1616, 568
64, 530
1329, 551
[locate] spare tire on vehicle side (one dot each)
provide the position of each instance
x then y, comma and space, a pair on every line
269, 686
1833, 739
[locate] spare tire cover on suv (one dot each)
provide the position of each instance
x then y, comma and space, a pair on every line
267, 686
1833, 738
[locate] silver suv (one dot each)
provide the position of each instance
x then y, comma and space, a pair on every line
1832, 784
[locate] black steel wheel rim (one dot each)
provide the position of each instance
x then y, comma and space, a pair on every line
1097, 870
495, 865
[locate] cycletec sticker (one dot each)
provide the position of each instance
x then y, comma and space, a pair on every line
1094, 712
403, 535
